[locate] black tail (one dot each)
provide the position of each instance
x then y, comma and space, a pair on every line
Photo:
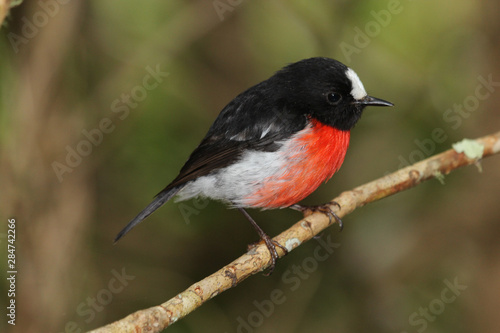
158, 201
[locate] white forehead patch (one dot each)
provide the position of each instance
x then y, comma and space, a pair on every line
358, 91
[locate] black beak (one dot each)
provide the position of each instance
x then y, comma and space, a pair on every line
368, 100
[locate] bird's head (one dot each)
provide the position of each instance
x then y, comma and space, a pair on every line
325, 89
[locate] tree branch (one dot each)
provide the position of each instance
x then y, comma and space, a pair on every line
4, 9
156, 318
5, 6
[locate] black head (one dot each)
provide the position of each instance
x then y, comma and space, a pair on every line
326, 90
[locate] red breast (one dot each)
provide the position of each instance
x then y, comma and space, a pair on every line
312, 157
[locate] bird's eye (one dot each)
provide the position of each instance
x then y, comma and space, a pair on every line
333, 98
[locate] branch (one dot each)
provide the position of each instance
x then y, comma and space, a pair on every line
4, 9
5, 6
156, 318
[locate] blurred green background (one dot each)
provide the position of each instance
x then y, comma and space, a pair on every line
68, 68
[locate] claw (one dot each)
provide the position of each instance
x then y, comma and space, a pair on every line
270, 243
271, 246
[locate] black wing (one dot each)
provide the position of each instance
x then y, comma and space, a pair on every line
257, 119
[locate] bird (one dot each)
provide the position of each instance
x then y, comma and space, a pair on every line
274, 144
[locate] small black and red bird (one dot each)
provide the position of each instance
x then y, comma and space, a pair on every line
275, 143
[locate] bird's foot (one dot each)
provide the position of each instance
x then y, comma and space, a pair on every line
271, 246
270, 243
325, 209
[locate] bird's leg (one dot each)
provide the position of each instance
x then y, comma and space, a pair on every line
325, 209
270, 243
